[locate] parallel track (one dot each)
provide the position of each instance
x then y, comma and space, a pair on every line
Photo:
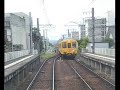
90, 78
97, 75
81, 78
66, 71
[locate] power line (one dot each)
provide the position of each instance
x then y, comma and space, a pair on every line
43, 25
44, 9
91, 3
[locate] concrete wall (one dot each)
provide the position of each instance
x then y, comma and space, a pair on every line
13, 55
16, 54
18, 30
101, 51
111, 18
99, 45
27, 26
19, 27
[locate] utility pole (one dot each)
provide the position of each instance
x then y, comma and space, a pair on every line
93, 35
44, 40
38, 43
68, 32
83, 20
63, 36
30, 32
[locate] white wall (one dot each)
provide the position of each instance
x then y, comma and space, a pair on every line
99, 45
18, 30
101, 51
16, 54
111, 18
27, 27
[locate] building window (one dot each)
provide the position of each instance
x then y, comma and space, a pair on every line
7, 23
102, 28
17, 47
102, 33
103, 21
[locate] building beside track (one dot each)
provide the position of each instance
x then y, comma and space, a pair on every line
16, 31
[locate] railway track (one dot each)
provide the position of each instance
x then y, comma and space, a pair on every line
66, 79
92, 80
108, 81
57, 74
44, 77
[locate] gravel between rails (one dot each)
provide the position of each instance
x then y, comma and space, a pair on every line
44, 79
94, 81
66, 79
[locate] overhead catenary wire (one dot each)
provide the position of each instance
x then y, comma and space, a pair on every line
93, 1
44, 10
88, 12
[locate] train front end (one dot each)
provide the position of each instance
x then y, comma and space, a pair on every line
68, 48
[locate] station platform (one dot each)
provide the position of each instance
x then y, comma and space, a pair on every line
10, 68
100, 57
14, 60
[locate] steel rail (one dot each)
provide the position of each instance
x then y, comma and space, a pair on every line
53, 74
81, 78
31, 83
97, 74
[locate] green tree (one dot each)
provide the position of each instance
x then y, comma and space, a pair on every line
50, 44
110, 41
37, 39
82, 43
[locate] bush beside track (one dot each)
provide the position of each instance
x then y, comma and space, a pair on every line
46, 55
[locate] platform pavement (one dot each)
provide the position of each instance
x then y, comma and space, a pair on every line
16, 66
104, 55
100, 57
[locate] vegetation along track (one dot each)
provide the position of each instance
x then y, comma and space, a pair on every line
43, 78
66, 79
94, 81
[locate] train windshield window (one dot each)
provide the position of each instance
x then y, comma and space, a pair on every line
74, 45
69, 45
63, 45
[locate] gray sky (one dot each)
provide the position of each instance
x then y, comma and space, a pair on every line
59, 12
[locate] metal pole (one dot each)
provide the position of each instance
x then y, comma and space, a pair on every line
68, 32
93, 35
46, 39
11, 39
38, 33
30, 32
63, 36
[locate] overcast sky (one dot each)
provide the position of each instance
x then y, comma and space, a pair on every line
58, 12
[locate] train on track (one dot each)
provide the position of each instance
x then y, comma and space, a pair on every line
68, 48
